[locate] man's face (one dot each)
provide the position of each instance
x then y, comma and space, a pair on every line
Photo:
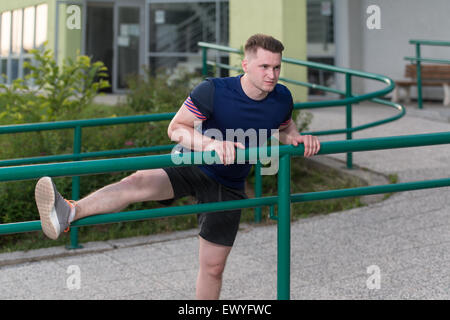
262, 69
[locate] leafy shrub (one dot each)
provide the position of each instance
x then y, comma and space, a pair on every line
160, 93
48, 92
51, 92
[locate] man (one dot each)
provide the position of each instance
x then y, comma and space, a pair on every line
252, 100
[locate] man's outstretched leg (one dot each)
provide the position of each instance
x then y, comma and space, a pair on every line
56, 213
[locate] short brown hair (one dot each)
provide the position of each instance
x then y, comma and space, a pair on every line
263, 41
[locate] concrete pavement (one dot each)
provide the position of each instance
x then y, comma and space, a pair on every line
395, 249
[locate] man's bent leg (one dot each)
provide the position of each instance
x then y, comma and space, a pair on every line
212, 260
144, 185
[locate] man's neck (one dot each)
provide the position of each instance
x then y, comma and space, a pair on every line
251, 91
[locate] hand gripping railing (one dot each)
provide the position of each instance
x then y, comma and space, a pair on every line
282, 200
348, 101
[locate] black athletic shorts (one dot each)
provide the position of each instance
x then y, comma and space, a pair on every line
218, 227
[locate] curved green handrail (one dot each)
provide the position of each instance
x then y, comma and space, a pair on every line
334, 103
372, 96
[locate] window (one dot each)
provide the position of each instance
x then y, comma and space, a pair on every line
175, 28
6, 33
320, 34
41, 24
16, 31
20, 31
320, 21
28, 28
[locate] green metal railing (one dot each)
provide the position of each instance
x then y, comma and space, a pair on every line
77, 125
283, 200
418, 60
349, 99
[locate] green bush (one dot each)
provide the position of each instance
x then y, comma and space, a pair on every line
51, 92
160, 93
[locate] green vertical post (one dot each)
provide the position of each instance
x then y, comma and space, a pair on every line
75, 188
348, 94
204, 61
284, 228
419, 77
258, 190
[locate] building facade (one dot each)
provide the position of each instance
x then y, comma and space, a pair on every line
126, 35
130, 36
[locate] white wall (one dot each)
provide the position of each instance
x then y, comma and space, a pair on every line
383, 51
347, 38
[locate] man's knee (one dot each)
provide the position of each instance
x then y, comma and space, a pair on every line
213, 258
135, 179
214, 269
145, 185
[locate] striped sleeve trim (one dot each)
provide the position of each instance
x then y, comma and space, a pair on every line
286, 122
191, 106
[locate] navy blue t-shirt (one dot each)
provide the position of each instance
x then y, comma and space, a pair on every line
222, 104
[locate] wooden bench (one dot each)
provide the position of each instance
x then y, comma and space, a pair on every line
432, 75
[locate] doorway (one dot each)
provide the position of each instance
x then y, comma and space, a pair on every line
100, 35
114, 36
128, 43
